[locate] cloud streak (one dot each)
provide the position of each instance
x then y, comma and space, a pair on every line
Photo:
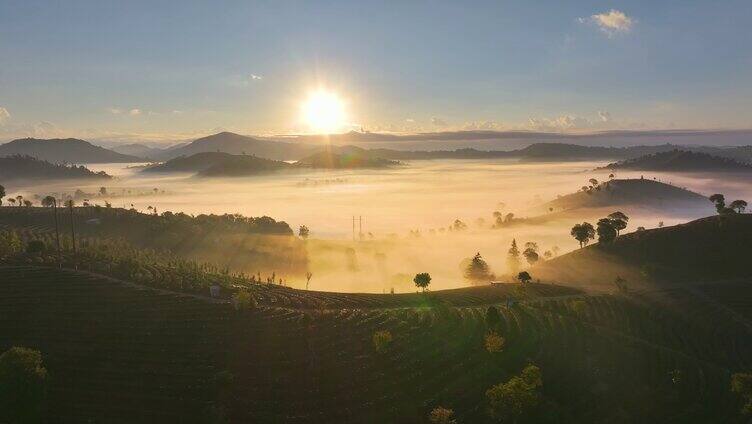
611, 23
4, 115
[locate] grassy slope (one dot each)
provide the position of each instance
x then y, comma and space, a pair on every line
124, 354
710, 248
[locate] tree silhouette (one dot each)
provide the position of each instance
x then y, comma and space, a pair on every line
524, 277
50, 201
720, 202
618, 221
738, 205
593, 182
531, 253
2, 194
606, 231
23, 386
308, 276
304, 232
422, 280
493, 319
477, 270
513, 258
19, 198
583, 233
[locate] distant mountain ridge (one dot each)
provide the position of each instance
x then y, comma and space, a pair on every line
237, 144
68, 150
681, 161
14, 168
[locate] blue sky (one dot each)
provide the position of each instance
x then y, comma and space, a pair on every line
156, 69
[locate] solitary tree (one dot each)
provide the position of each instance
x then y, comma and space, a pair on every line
524, 277
531, 253
23, 386
477, 270
513, 258
738, 205
2, 194
593, 182
583, 233
303, 232
422, 280
606, 231
19, 198
308, 276
618, 221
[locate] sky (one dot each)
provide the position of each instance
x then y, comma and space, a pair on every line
173, 70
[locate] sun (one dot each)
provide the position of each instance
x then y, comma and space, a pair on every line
324, 112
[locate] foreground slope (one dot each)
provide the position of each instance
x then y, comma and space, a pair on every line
123, 353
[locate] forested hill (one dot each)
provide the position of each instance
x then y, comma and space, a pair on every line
636, 192
69, 150
351, 159
219, 164
681, 161
15, 168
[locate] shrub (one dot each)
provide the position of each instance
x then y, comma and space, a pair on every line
23, 385
9, 243
510, 401
243, 301
441, 415
35, 247
579, 307
381, 340
494, 342
741, 384
493, 319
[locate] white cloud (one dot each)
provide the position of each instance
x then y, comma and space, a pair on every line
254, 77
611, 23
561, 123
410, 120
4, 115
438, 122
604, 115
484, 126
134, 112
114, 110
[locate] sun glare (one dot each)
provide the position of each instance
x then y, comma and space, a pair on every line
324, 112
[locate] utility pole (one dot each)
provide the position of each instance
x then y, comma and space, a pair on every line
73, 234
57, 234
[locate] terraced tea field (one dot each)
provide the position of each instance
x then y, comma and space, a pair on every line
122, 353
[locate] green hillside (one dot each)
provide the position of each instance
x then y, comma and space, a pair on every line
121, 353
